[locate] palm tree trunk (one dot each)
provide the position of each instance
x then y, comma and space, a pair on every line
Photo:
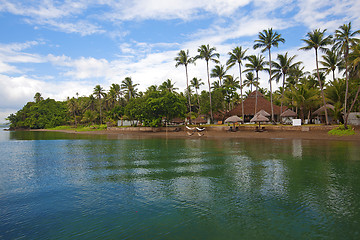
282, 94
198, 99
352, 105
271, 98
321, 87
188, 90
208, 76
241, 94
256, 93
346, 91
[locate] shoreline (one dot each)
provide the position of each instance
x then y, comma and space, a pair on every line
273, 132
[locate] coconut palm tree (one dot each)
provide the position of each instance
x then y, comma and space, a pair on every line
208, 54
196, 83
116, 90
129, 87
183, 58
331, 61
218, 71
237, 55
250, 80
344, 40
73, 106
256, 63
268, 39
167, 86
98, 93
281, 69
318, 41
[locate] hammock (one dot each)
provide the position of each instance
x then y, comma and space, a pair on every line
200, 129
192, 129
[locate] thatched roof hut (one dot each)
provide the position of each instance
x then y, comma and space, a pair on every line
321, 110
177, 120
249, 106
199, 120
264, 113
259, 118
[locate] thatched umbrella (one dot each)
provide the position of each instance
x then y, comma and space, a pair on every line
288, 113
233, 119
177, 120
263, 112
259, 118
199, 120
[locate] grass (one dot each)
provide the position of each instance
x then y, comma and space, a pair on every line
341, 131
81, 128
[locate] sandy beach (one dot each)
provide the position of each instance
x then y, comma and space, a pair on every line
216, 132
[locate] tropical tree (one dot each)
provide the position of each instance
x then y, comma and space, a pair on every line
208, 54
183, 58
331, 61
130, 88
38, 97
237, 55
98, 93
268, 39
231, 84
72, 106
218, 71
167, 86
281, 69
257, 64
196, 83
250, 80
317, 40
116, 90
344, 40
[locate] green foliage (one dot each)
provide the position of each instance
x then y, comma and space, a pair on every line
42, 114
341, 131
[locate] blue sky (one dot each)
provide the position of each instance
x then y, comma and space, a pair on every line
60, 48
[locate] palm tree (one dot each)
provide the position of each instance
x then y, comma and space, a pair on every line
130, 87
331, 61
98, 93
196, 83
317, 40
38, 97
256, 64
73, 107
354, 60
267, 39
209, 54
282, 67
237, 55
344, 40
116, 90
183, 58
167, 86
250, 80
218, 71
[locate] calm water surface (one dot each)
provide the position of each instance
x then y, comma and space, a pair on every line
63, 186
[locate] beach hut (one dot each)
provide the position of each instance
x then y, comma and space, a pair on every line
288, 116
177, 121
319, 114
259, 118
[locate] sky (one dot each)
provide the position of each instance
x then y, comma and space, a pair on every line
60, 48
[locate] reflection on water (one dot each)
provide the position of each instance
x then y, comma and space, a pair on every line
55, 185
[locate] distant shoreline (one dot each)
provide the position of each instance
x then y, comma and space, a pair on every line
220, 132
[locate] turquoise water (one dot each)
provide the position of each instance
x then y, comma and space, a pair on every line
63, 186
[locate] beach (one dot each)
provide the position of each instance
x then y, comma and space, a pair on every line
221, 132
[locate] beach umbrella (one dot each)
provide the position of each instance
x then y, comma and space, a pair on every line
288, 113
199, 120
233, 119
263, 112
259, 118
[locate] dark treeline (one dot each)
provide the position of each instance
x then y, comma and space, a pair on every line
336, 56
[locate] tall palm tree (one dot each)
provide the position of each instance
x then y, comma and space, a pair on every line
116, 88
282, 68
268, 39
237, 55
73, 107
218, 71
354, 60
331, 61
98, 93
208, 54
317, 40
183, 58
196, 83
256, 63
250, 80
344, 40
130, 87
